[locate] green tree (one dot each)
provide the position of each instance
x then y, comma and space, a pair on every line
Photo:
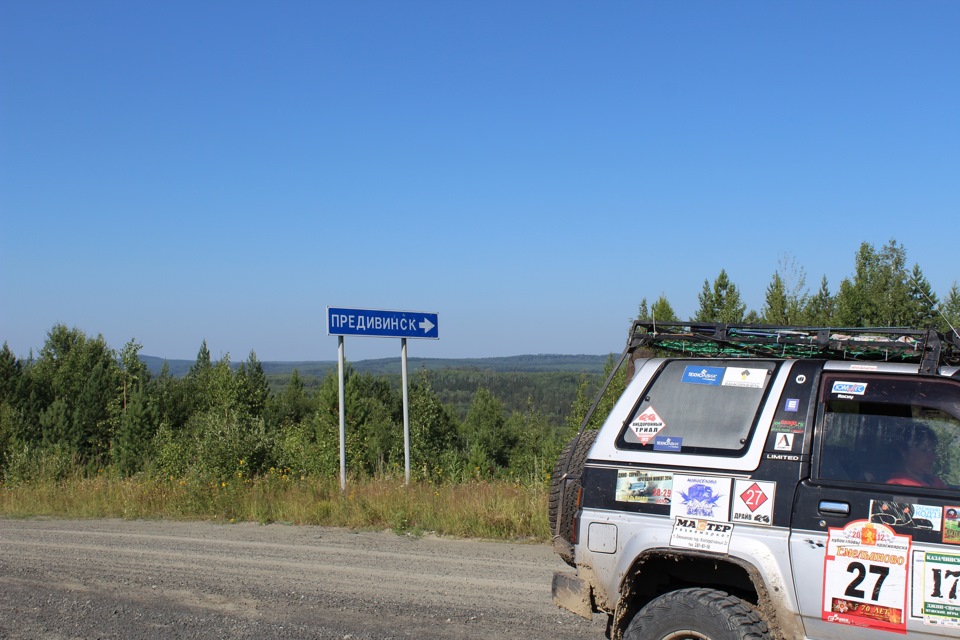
292, 405
254, 389
721, 302
878, 294
659, 311
923, 301
134, 372
819, 311
775, 304
133, 443
786, 297
535, 451
83, 374
434, 446
950, 310
487, 442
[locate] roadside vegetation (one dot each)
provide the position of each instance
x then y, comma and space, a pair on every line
87, 431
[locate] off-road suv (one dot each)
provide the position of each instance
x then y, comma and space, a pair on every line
768, 482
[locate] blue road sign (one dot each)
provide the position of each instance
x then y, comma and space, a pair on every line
381, 324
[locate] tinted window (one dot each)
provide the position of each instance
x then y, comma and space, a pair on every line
898, 431
708, 407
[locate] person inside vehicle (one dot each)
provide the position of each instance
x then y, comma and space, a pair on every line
919, 458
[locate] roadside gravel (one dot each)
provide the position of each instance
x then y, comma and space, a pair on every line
140, 580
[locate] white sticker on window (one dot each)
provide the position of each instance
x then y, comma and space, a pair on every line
647, 425
744, 377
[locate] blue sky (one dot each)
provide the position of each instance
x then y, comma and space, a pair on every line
223, 171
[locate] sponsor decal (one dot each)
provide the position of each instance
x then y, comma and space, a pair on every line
644, 487
703, 375
695, 533
951, 524
647, 425
706, 498
935, 598
753, 501
744, 377
667, 443
801, 379
784, 442
849, 388
865, 577
792, 405
900, 514
790, 426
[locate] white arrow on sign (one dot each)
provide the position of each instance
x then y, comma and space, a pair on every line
426, 325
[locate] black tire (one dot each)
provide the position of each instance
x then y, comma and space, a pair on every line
697, 614
564, 488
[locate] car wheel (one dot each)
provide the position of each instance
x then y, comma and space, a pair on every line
697, 614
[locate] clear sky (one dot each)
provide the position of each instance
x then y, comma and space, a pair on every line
183, 171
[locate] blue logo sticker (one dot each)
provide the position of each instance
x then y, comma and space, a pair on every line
667, 443
852, 388
793, 404
703, 375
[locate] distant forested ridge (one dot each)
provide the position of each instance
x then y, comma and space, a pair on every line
550, 382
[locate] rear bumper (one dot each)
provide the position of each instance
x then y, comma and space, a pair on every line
572, 593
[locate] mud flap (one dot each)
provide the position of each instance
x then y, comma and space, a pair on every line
573, 594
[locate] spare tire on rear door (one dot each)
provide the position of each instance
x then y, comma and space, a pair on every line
564, 486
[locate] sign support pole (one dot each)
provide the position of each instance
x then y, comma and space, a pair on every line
343, 418
406, 411
379, 323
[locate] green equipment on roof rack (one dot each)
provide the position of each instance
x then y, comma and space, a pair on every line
721, 340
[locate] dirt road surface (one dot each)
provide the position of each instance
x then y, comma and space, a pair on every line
70, 580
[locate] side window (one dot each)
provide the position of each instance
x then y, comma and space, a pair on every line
895, 431
698, 408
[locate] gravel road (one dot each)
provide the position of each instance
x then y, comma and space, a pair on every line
80, 579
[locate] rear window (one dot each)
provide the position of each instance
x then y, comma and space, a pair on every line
699, 408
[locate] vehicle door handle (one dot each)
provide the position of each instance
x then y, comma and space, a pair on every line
832, 508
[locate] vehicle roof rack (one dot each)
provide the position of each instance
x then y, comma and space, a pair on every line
722, 340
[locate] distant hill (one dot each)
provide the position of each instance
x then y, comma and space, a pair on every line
548, 381
540, 363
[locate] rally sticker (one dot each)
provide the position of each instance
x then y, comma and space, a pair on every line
647, 425
784, 442
667, 443
900, 514
865, 577
744, 377
935, 578
753, 501
951, 524
700, 497
702, 375
645, 487
694, 533
850, 388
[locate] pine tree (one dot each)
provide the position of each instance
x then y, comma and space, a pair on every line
819, 310
923, 301
950, 310
721, 303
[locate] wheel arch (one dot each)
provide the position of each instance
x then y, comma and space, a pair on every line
660, 571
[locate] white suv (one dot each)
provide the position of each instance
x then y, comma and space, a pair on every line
768, 482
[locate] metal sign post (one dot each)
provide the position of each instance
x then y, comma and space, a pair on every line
380, 324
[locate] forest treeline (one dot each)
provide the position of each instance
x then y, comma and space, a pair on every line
80, 404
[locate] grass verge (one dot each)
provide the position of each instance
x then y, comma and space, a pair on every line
481, 509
